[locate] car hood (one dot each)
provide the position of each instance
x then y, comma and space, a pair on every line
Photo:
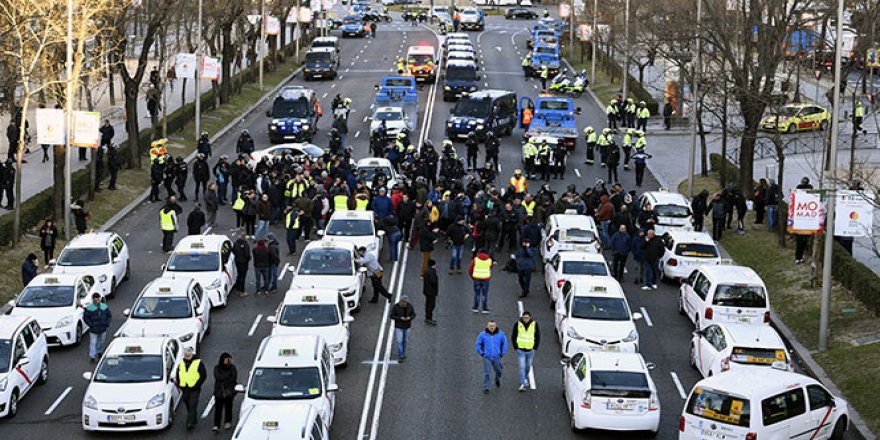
332, 334
599, 330
205, 279
390, 125
156, 327
47, 317
108, 394
334, 282
358, 241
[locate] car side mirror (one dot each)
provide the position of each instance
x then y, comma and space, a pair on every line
164, 266
332, 387
53, 262
637, 316
320, 232
291, 268
565, 362
650, 365
697, 333
479, 77
239, 388
577, 111
87, 375
348, 319
126, 312
362, 269
271, 318
268, 113
9, 306
380, 233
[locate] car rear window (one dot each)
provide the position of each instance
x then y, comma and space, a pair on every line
757, 356
719, 406
697, 250
629, 384
584, 268
739, 296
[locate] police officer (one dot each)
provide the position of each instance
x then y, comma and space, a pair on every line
629, 112
612, 114
201, 174
170, 173
530, 153
245, 143
544, 159
157, 172
168, 221
545, 73
560, 152
114, 162
191, 374
180, 172
591, 138
642, 115
204, 146
526, 339
604, 142
612, 160
640, 159
493, 145
627, 147
473, 150
526, 65
858, 116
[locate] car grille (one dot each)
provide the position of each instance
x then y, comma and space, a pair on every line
125, 426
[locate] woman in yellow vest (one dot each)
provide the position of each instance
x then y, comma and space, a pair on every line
526, 338
238, 207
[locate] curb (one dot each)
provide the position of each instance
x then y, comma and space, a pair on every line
112, 221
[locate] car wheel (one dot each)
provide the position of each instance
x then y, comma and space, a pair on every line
127, 272
839, 429
112, 293
692, 356
44, 371
13, 405
823, 125
78, 338
791, 128
170, 415
680, 306
571, 419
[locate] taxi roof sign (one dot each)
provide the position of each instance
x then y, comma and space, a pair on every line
198, 245
133, 349
310, 298
51, 280
599, 289
287, 352
270, 425
164, 290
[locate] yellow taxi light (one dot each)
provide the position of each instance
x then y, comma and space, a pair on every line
133, 349
310, 298
287, 352
51, 280
270, 425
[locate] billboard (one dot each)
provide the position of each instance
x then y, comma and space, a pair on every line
211, 68
806, 212
853, 213
86, 129
185, 65
50, 126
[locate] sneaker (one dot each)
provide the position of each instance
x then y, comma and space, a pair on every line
227, 425
401, 360
485, 311
373, 300
485, 391
497, 383
646, 287
475, 310
522, 388
654, 287
215, 428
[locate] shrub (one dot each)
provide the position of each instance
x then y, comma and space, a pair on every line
861, 281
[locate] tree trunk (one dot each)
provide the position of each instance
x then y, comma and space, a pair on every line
58, 202
228, 51
781, 214
131, 124
704, 156
19, 155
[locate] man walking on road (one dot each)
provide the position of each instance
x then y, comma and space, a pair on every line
191, 374
430, 288
242, 252
653, 251
168, 220
491, 346
480, 271
98, 317
525, 263
402, 314
374, 270
621, 245
262, 261
526, 337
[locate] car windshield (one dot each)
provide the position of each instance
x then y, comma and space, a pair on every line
757, 356
194, 262
554, 105
418, 60
285, 383
84, 257
677, 211
584, 268
350, 228
698, 250
460, 55
388, 115
459, 73
600, 308
5, 354
309, 315
631, 384
326, 262
739, 296
718, 406
323, 43
312, 150
371, 171
157, 307
351, 20
397, 82
578, 236
789, 111
546, 50
473, 108
469, 12
293, 108
46, 296
318, 57
130, 369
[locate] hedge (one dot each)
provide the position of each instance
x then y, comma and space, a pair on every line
718, 162
633, 86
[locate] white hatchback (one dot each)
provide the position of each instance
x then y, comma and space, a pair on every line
594, 315
24, 360
685, 250
57, 302
209, 260
290, 421
724, 347
572, 266
355, 227
103, 255
367, 168
319, 312
569, 232
673, 209
731, 294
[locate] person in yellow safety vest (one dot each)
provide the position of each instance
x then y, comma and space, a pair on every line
158, 150
291, 225
399, 144
361, 201
642, 115
603, 142
591, 138
168, 222
858, 116
543, 160
611, 114
545, 74
526, 64
191, 374
480, 271
529, 205
238, 207
401, 66
641, 142
519, 183
340, 202
295, 187
629, 113
530, 154
627, 147
526, 338
546, 13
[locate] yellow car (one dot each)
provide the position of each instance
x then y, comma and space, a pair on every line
797, 117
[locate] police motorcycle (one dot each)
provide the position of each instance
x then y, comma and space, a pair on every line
562, 84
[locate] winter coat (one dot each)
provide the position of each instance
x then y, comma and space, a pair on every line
262, 258
225, 378
621, 243
97, 317
491, 345
653, 249
195, 221
426, 239
430, 282
382, 206
525, 259
242, 251
398, 311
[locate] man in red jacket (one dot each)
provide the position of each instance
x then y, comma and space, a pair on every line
480, 271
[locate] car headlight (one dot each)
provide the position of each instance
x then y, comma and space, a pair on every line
347, 291
480, 127
449, 124
472, 89
447, 88
305, 126
372, 246
215, 284
572, 333
64, 322
3, 383
632, 337
336, 347
187, 337
273, 128
90, 403
157, 401
102, 278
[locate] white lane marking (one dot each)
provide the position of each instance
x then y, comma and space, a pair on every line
207, 230
647, 317
58, 401
254, 327
678, 385
532, 384
283, 271
357, 133
347, 69
365, 118
208, 408
333, 86
340, 78
371, 362
499, 167
498, 48
577, 172
127, 234
535, 86
324, 95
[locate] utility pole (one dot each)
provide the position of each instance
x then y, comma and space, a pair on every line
595, 41
199, 74
297, 33
68, 110
695, 98
262, 38
832, 187
625, 52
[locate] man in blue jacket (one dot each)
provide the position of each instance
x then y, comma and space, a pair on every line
491, 346
621, 245
382, 206
97, 316
525, 263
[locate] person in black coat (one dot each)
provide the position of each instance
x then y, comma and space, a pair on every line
80, 216
406, 212
225, 379
29, 269
114, 163
718, 207
242, 252
195, 221
427, 237
201, 175
430, 288
402, 314
48, 236
180, 172
653, 247
699, 208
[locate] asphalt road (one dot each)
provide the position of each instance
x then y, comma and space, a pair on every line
437, 394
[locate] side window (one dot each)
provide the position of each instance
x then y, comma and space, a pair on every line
783, 406
89, 281
81, 290
174, 347
581, 369
692, 278
819, 398
720, 341
701, 287
195, 297
35, 327
548, 228
317, 431
28, 334
113, 252
169, 362
118, 244
225, 251
20, 351
555, 262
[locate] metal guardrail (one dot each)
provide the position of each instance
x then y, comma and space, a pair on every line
764, 148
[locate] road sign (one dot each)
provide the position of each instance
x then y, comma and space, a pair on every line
579, 7
273, 26
564, 10
50, 126
584, 32
211, 68
185, 65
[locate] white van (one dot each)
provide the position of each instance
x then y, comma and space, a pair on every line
773, 405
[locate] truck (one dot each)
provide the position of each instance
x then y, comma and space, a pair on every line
472, 19
396, 92
294, 115
551, 116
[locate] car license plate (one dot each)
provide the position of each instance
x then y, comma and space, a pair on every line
620, 406
613, 348
120, 419
744, 319
711, 434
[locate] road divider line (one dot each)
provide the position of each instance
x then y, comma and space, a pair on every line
208, 408
207, 230
365, 118
577, 172
58, 401
324, 95
532, 384
256, 323
647, 317
333, 86
283, 271
357, 133
678, 385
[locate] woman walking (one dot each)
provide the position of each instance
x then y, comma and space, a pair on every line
225, 377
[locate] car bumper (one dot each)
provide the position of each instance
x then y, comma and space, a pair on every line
571, 346
466, 26
585, 418
60, 336
4, 402
138, 420
276, 137
324, 73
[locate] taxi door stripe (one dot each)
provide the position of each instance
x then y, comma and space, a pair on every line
24, 375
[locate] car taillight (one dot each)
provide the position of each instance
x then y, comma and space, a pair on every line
752, 436
725, 364
654, 405
767, 316
672, 262
560, 282
587, 400
708, 313
681, 424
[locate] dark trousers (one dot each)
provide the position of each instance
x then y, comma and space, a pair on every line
759, 213
223, 410
190, 398
204, 187
167, 241
48, 254
249, 222
545, 170
698, 222
378, 288
430, 303
292, 235
642, 124
612, 173
111, 185
525, 280
180, 186
510, 236
640, 174
241, 279
618, 265
591, 152
717, 228
10, 196
82, 153
800, 246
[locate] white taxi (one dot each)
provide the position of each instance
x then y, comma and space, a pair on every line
673, 209
209, 260
367, 168
571, 266
734, 294
594, 315
723, 347
292, 369
133, 388
319, 312
684, 250
24, 360
569, 232
103, 255
356, 227
610, 391
289, 421
57, 302
174, 307
330, 265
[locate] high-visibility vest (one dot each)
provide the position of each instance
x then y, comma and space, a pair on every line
591, 138
519, 185
340, 202
603, 140
239, 203
168, 220
627, 140
530, 151
287, 221
294, 189
482, 269
644, 113
631, 108
544, 150
526, 116
525, 336
526, 62
860, 111
530, 207
189, 377
610, 110
361, 204
641, 143
544, 72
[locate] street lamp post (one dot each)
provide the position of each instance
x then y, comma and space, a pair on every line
626, 51
198, 84
694, 93
262, 38
68, 109
595, 38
